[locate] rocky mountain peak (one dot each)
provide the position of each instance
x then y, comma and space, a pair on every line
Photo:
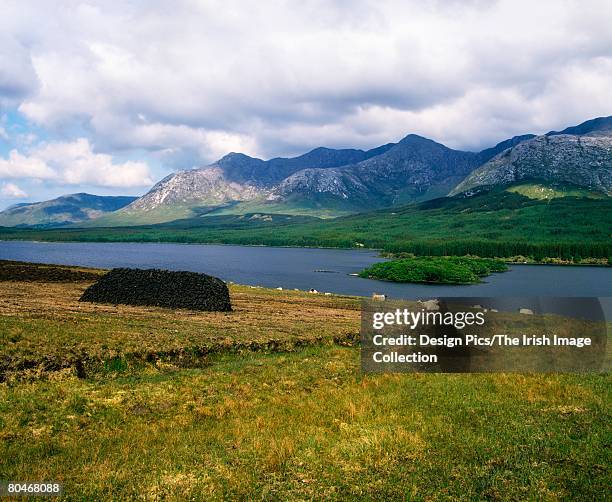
584, 161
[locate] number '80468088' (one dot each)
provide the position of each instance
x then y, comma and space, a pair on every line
27, 488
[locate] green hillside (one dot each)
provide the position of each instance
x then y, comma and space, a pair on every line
73, 208
500, 223
542, 191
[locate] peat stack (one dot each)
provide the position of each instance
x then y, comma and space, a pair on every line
160, 288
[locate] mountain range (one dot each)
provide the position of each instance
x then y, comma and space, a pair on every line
333, 182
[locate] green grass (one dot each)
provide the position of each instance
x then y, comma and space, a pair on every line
158, 215
309, 425
539, 191
280, 410
495, 224
435, 270
319, 209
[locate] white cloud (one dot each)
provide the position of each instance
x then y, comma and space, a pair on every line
22, 166
3, 134
12, 191
168, 140
195, 79
74, 163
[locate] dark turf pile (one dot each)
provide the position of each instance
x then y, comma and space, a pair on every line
39, 272
160, 288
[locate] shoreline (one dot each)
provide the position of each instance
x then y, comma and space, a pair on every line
376, 250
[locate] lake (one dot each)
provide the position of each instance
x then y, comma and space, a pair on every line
301, 268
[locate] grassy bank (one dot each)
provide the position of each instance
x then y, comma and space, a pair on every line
278, 410
499, 224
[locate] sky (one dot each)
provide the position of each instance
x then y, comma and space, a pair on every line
107, 97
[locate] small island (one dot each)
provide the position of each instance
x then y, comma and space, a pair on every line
435, 269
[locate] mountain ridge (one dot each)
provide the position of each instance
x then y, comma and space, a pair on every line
402, 173
63, 210
345, 180
331, 182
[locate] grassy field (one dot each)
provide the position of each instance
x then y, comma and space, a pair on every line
268, 402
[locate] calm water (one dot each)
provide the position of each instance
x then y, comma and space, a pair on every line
297, 268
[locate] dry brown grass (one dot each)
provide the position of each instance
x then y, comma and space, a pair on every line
44, 327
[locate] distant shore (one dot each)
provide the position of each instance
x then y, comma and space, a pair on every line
513, 260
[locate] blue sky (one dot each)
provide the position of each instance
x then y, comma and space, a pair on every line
108, 97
